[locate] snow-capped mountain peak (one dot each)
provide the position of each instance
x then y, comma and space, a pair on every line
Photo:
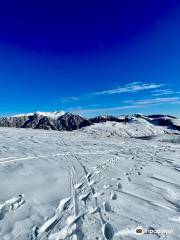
23, 115
53, 114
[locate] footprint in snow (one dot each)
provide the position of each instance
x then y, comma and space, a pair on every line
107, 206
89, 175
84, 197
113, 196
107, 231
119, 186
78, 186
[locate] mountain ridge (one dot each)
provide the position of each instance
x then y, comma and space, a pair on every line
66, 121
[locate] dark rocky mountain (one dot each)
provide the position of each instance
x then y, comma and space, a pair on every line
46, 123
32, 121
67, 121
71, 122
160, 116
13, 121
37, 121
106, 118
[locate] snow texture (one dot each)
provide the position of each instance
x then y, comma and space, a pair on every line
97, 183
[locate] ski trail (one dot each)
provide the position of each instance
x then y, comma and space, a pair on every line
19, 159
73, 221
106, 228
7, 158
12, 159
75, 210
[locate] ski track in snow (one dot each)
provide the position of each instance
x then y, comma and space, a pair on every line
12, 159
116, 184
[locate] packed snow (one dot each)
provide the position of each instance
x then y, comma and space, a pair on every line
106, 181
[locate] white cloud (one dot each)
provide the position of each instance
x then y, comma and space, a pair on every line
133, 83
155, 101
129, 88
160, 92
69, 99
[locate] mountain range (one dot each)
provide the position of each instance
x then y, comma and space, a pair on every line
60, 120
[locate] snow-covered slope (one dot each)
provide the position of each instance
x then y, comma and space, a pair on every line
137, 127
22, 115
54, 114
168, 121
100, 182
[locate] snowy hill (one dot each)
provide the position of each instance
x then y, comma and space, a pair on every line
137, 127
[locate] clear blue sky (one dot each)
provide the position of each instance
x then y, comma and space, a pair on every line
90, 57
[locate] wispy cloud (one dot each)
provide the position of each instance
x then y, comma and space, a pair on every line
155, 91
131, 105
69, 99
177, 102
130, 88
154, 101
161, 92
79, 108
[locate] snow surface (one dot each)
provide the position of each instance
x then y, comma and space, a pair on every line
100, 182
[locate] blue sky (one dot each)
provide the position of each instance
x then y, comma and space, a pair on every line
90, 57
